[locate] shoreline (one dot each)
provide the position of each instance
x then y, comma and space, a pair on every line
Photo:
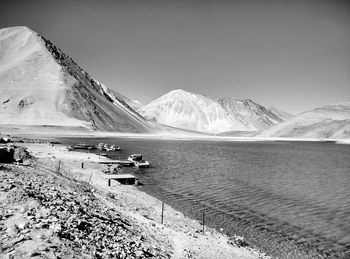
144, 207
57, 132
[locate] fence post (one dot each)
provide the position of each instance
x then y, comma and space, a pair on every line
162, 211
203, 222
59, 166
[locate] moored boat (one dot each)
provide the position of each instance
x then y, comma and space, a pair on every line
108, 147
135, 157
100, 146
138, 161
115, 148
142, 163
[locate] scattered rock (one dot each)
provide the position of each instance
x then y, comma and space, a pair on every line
68, 218
237, 241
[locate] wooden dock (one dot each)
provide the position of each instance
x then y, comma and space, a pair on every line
122, 178
117, 162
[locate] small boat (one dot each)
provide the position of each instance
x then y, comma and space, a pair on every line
115, 148
70, 148
109, 148
102, 154
142, 163
135, 157
138, 161
100, 146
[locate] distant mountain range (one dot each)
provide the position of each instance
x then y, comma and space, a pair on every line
41, 85
190, 111
328, 121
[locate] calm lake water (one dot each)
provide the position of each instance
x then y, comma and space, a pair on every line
291, 200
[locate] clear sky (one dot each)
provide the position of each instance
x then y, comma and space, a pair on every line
294, 55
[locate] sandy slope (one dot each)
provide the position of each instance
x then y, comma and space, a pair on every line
329, 121
40, 85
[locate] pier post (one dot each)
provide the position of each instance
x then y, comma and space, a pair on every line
59, 166
162, 212
203, 223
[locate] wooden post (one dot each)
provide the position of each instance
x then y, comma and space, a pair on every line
162, 212
203, 222
59, 166
91, 176
109, 182
82, 165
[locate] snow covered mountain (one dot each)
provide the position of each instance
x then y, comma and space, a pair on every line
251, 114
328, 121
40, 85
182, 109
190, 111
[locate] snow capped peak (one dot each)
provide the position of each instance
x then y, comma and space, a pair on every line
15, 29
183, 109
190, 111
179, 91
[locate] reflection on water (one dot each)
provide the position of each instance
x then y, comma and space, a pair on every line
290, 199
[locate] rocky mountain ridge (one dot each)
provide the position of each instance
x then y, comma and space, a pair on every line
190, 111
41, 85
254, 115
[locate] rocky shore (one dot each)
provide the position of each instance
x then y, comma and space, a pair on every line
52, 208
47, 216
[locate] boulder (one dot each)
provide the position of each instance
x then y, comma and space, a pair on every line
4, 140
6, 155
237, 241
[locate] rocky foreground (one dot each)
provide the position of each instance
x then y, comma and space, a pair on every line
49, 216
